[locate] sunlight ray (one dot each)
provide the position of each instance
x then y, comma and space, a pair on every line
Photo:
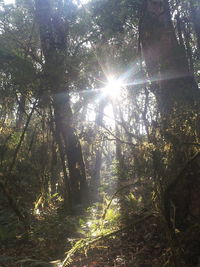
163, 77
113, 85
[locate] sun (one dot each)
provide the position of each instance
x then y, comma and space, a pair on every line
113, 88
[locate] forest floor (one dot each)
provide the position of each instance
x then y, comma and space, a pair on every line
104, 235
135, 246
139, 244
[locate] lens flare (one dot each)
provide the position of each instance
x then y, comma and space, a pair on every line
113, 88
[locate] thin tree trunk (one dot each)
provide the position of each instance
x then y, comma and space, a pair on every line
20, 112
54, 172
4, 186
21, 139
56, 134
67, 190
98, 153
13, 205
118, 148
187, 37
54, 158
180, 32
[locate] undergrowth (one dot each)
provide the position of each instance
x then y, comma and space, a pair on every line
103, 220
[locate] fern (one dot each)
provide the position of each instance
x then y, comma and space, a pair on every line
84, 244
77, 247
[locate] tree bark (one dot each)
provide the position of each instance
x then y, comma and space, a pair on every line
20, 112
53, 36
173, 84
195, 17
187, 37
118, 148
174, 87
98, 154
73, 151
54, 167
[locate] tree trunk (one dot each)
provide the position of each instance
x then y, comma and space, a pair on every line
179, 31
53, 36
187, 36
98, 157
118, 148
177, 96
20, 112
66, 192
173, 85
64, 122
13, 205
54, 168
195, 17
